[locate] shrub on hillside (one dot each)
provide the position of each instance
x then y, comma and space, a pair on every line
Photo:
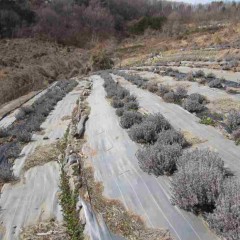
144, 132
199, 74
23, 136
225, 218
170, 137
198, 182
130, 98
122, 93
158, 121
101, 61
20, 115
163, 89
181, 92
233, 120
6, 174
129, 118
192, 106
27, 109
152, 87
133, 105
190, 77
216, 83
117, 103
211, 75
170, 97
3, 132
159, 159
152, 22
119, 112
236, 136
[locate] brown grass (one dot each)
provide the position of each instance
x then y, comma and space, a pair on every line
42, 154
225, 105
50, 230
192, 139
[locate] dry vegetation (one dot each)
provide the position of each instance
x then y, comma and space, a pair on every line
30, 65
50, 230
190, 47
42, 154
120, 221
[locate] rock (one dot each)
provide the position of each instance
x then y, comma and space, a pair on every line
81, 126
73, 158
82, 217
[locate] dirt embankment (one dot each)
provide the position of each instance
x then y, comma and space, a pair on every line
28, 64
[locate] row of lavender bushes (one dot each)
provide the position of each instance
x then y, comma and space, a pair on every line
199, 181
28, 121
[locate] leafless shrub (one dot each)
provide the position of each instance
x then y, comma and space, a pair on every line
159, 159
170, 97
130, 98
24, 136
143, 133
6, 174
27, 109
198, 182
236, 136
192, 106
163, 89
20, 115
211, 75
159, 122
233, 120
216, 83
226, 217
181, 92
119, 112
3, 133
197, 97
152, 87
129, 118
190, 77
133, 105
199, 74
117, 103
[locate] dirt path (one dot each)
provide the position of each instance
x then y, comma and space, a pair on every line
115, 164
35, 197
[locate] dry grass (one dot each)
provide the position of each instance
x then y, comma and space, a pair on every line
192, 139
119, 221
50, 230
42, 154
225, 105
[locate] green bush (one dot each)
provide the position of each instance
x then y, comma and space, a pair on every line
207, 121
